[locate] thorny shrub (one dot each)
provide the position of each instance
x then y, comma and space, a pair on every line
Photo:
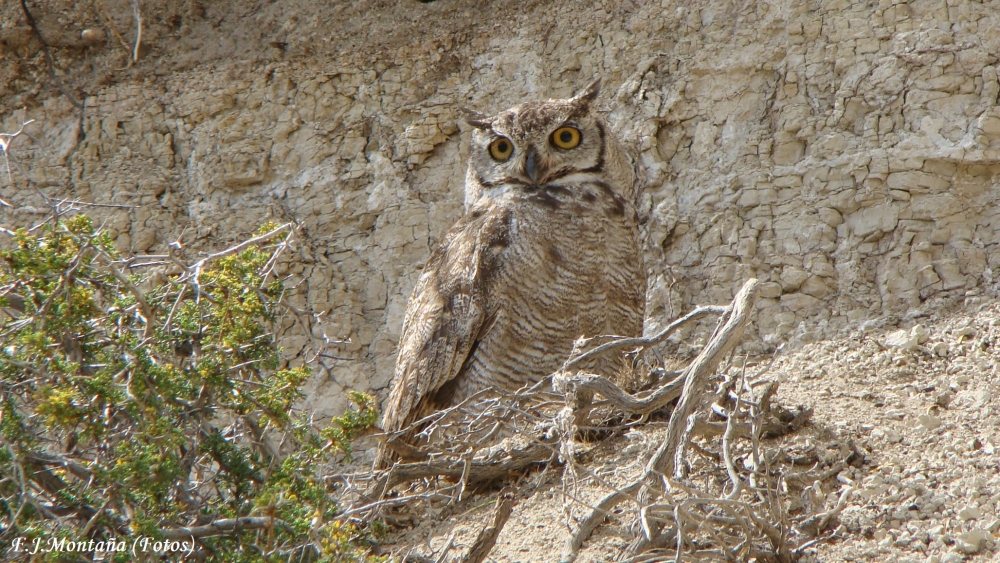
117, 427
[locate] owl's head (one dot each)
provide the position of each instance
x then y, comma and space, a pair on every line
541, 143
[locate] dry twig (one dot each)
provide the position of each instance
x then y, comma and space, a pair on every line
487, 538
5, 140
495, 433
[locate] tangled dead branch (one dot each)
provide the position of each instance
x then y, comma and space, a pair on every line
679, 509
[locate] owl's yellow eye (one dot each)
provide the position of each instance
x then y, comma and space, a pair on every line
566, 137
501, 149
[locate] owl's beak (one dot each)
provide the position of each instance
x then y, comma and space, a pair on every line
532, 168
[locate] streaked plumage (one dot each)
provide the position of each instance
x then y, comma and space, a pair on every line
548, 251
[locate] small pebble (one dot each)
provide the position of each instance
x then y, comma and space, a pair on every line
93, 36
967, 332
943, 399
929, 422
970, 513
902, 339
972, 541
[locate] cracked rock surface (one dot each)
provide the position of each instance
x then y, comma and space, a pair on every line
847, 154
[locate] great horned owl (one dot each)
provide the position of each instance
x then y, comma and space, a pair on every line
547, 252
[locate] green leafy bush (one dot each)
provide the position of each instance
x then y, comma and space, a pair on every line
158, 418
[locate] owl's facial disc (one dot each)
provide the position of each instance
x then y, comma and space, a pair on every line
538, 144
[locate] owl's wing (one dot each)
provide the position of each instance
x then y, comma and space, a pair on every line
449, 311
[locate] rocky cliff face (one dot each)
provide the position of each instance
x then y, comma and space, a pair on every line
848, 154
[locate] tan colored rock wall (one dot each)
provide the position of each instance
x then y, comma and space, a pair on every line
848, 154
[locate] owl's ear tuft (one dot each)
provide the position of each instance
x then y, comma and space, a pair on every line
588, 95
476, 119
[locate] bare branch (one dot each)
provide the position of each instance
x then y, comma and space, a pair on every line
220, 527
624, 343
487, 538
241, 246
479, 471
74, 467
619, 398
665, 459
591, 522
5, 140
140, 297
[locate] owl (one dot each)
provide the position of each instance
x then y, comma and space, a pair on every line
548, 251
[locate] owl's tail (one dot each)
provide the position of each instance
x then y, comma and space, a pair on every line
399, 413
